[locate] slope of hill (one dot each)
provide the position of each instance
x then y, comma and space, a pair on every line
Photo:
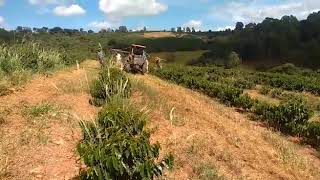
209, 140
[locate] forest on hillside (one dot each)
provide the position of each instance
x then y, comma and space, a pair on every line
273, 40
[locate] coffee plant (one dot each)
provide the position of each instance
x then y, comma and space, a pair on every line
290, 116
117, 145
312, 133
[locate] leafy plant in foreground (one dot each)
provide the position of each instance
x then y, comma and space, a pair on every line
117, 146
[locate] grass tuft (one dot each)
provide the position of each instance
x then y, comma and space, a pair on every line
39, 110
206, 171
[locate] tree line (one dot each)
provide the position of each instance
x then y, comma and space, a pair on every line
273, 41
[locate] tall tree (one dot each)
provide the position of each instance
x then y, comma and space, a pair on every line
179, 29
239, 26
56, 30
188, 30
250, 26
123, 29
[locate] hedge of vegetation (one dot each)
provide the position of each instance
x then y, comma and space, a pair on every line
117, 144
290, 117
241, 78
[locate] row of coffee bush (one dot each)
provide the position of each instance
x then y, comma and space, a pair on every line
248, 79
290, 117
117, 144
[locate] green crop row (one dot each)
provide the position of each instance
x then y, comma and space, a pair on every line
117, 144
290, 117
248, 79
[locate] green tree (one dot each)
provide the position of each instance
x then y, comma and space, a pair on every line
179, 29
123, 29
239, 26
188, 29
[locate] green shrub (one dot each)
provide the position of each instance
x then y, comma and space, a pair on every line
111, 82
312, 133
244, 101
233, 60
228, 94
287, 68
117, 146
244, 84
264, 90
276, 93
290, 116
263, 109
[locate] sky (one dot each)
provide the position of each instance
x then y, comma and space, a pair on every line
153, 14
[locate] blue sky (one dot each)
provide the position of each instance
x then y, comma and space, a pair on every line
154, 14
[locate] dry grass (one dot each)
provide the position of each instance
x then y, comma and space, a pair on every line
256, 95
74, 86
216, 136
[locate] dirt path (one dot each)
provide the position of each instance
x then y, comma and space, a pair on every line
211, 141
39, 128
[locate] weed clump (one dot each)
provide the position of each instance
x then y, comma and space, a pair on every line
19, 61
111, 82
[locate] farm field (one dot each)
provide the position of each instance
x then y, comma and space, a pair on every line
290, 113
159, 90
197, 122
207, 139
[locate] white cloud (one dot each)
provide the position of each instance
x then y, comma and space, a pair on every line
224, 28
1, 22
116, 9
71, 10
100, 25
193, 23
257, 10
